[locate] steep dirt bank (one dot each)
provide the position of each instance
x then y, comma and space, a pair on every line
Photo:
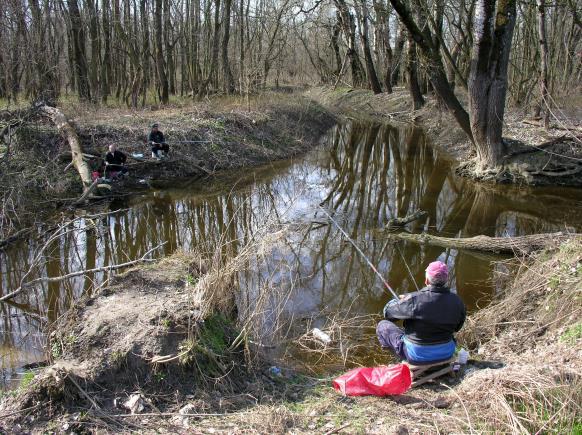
162, 334
204, 138
535, 156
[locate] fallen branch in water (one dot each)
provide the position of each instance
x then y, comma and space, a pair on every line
142, 259
88, 191
400, 222
505, 245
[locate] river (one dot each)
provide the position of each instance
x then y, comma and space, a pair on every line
366, 173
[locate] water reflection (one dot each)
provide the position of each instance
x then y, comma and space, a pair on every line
366, 173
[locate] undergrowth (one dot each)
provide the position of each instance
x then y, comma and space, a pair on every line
535, 329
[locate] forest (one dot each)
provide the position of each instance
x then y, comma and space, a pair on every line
127, 50
320, 156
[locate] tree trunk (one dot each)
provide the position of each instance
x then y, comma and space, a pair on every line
335, 46
106, 68
434, 65
69, 133
504, 245
145, 52
169, 46
398, 50
242, 45
226, 71
544, 103
349, 28
362, 12
80, 58
412, 72
3, 63
160, 62
383, 42
488, 78
95, 49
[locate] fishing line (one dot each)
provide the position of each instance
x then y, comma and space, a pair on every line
407, 268
395, 296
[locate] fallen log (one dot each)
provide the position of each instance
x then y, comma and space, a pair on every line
500, 245
400, 222
69, 133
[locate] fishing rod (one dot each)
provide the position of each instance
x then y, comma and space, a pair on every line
184, 141
361, 253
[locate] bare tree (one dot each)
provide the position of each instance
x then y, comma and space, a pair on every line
543, 63
163, 90
493, 30
80, 59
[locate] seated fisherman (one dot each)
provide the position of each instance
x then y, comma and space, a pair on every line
431, 317
157, 142
114, 162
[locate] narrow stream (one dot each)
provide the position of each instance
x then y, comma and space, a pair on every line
366, 172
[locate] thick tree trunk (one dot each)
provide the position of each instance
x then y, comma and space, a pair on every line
398, 51
69, 133
504, 245
336, 30
488, 78
383, 42
412, 73
80, 58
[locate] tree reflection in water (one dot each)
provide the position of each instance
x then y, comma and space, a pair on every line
367, 173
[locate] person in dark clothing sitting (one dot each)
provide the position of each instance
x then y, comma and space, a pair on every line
114, 162
431, 316
157, 142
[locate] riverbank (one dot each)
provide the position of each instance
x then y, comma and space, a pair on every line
204, 138
169, 341
535, 156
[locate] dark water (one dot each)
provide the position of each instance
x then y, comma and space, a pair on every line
366, 173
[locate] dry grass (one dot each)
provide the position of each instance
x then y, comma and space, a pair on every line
535, 330
544, 300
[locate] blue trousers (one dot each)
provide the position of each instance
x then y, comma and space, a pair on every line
391, 337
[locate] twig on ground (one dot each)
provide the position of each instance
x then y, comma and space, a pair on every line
337, 429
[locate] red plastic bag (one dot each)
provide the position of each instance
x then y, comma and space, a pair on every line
375, 381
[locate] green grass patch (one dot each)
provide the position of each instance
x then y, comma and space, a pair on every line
213, 334
572, 334
26, 379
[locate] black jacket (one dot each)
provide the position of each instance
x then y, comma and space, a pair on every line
157, 137
430, 315
116, 158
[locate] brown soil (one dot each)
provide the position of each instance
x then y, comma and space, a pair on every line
536, 156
